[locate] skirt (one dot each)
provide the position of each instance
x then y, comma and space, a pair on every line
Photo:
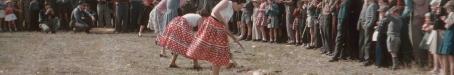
168, 16
177, 37
273, 22
211, 43
155, 20
10, 17
434, 41
447, 47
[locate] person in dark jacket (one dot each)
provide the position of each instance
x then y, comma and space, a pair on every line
81, 18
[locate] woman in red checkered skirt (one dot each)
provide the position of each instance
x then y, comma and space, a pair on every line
211, 42
179, 35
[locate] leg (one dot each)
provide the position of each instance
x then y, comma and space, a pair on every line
100, 16
270, 33
249, 30
264, 37
436, 63
196, 65
444, 65
118, 20
216, 69
141, 30
451, 63
173, 62
242, 28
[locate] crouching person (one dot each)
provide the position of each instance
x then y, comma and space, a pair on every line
81, 19
49, 22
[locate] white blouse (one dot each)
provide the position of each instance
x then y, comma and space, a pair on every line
227, 12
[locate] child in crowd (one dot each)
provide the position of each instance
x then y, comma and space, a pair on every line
394, 31
311, 23
11, 17
427, 27
273, 19
261, 19
48, 20
298, 21
447, 47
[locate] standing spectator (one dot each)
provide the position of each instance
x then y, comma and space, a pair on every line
325, 26
381, 28
82, 18
246, 22
143, 21
11, 17
433, 42
298, 22
122, 15
289, 6
273, 19
311, 23
359, 27
417, 10
369, 22
256, 33
136, 14
262, 19
64, 11
2, 15
342, 16
394, 30
34, 8
104, 14
447, 48
49, 21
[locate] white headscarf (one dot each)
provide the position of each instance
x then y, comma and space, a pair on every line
193, 19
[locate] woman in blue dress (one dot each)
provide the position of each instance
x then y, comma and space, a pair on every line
171, 12
447, 49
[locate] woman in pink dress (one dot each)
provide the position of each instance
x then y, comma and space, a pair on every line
261, 19
211, 42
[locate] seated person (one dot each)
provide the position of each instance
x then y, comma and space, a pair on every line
49, 22
81, 18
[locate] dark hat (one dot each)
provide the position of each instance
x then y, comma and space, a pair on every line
82, 2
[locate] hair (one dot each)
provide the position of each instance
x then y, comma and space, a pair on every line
203, 13
449, 6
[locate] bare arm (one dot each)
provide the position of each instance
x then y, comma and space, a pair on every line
234, 38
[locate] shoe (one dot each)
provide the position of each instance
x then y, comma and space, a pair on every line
395, 63
368, 63
140, 35
333, 60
